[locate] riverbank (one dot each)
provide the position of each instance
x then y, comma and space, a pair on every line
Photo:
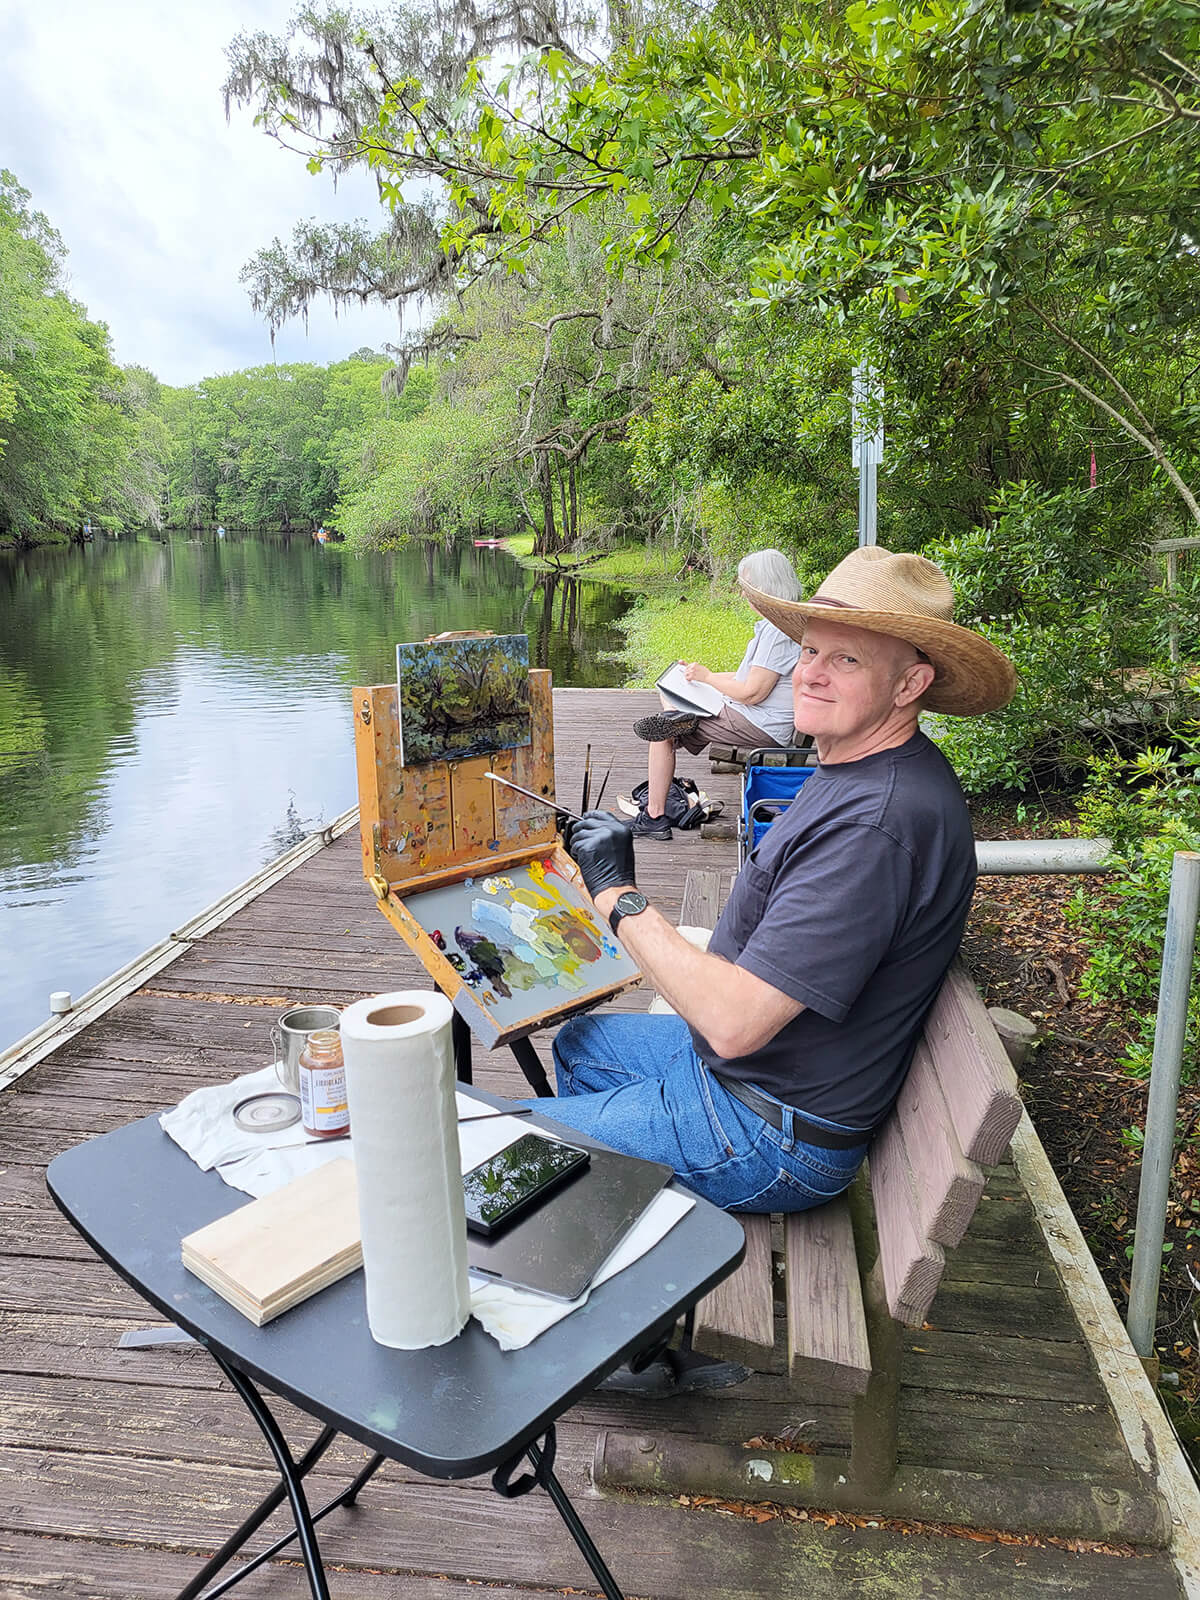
680, 614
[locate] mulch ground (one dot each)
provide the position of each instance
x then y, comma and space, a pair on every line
1024, 955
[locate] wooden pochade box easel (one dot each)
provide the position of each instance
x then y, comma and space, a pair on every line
443, 822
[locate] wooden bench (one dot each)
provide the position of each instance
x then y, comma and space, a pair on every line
855, 1269
851, 1275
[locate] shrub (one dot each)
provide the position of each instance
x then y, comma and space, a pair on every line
1061, 584
1149, 806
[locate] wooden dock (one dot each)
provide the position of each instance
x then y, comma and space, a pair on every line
122, 1467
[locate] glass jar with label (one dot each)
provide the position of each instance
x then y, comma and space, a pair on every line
323, 1107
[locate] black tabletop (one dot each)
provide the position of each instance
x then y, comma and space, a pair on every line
451, 1411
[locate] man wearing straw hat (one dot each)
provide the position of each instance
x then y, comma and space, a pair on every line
795, 1029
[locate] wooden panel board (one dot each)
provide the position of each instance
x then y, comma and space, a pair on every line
948, 1186
976, 1076
270, 1255
827, 1327
737, 1320
417, 820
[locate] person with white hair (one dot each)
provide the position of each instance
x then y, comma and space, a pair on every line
757, 709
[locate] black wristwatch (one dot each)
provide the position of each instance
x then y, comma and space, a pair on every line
628, 903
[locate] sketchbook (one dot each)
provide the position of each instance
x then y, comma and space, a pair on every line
687, 696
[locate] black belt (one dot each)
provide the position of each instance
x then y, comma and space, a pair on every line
771, 1111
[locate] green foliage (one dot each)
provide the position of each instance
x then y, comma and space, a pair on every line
67, 430
271, 446
693, 624
1149, 806
1061, 582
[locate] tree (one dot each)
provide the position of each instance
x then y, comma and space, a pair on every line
66, 433
1026, 169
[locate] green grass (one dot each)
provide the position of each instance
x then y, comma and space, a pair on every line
693, 621
688, 625
626, 564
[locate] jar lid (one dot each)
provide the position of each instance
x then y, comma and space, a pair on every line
267, 1113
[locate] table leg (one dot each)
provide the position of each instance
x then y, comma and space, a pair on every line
541, 1457
291, 1473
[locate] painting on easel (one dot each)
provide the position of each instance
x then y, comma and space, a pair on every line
462, 697
523, 942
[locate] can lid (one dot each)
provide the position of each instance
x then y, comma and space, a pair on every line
267, 1113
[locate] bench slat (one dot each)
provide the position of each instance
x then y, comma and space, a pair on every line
976, 1076
947, 1185
737, 1320
912, 1264
827, 1327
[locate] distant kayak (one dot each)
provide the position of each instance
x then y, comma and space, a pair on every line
489, 541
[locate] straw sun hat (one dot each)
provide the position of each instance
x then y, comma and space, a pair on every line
909, 598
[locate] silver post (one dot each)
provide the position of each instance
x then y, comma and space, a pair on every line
1169, 1032
866, 413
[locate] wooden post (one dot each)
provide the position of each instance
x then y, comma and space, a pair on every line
873, 1439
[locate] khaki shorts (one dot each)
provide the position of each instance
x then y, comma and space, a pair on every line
727, 727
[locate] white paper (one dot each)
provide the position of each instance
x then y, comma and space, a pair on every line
400, 1085
700, 697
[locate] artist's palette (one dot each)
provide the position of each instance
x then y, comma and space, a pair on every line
523, 941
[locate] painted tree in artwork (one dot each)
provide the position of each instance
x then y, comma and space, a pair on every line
463, 697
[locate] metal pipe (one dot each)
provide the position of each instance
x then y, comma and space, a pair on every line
1169, 1032
1008, 857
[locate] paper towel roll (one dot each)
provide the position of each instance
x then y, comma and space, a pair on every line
400, 1085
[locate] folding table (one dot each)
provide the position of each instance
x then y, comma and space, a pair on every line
454, 1411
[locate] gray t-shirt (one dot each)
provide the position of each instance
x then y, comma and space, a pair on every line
854, 904
770, 648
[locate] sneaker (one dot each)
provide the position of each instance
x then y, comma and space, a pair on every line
675, 1372
627, 805
647, 827
665, 725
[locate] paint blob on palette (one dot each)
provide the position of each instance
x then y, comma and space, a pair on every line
522, 943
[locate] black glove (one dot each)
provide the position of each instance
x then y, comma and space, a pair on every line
601, 846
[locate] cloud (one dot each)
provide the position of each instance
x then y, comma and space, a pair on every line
112, 117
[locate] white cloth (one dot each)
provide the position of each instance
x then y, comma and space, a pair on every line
202, 1125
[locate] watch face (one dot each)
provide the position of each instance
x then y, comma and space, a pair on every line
630, 903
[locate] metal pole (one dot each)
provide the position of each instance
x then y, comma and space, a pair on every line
1169, 1031
1009, 857
867, 498
866, 414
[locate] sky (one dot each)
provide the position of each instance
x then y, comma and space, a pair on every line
111, 115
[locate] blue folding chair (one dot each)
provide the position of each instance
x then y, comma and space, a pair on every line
767, 792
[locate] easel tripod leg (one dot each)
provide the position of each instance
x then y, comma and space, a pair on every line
460, 1039
531, 1066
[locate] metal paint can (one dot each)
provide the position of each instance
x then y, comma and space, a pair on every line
290, 1034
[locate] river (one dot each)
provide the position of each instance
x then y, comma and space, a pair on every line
175, 712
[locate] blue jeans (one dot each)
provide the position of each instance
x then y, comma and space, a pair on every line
635, 1083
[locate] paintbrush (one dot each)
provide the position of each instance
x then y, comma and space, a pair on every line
541, 799
604, 782
476, 1116
587, 778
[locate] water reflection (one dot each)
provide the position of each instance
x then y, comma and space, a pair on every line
175, 711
